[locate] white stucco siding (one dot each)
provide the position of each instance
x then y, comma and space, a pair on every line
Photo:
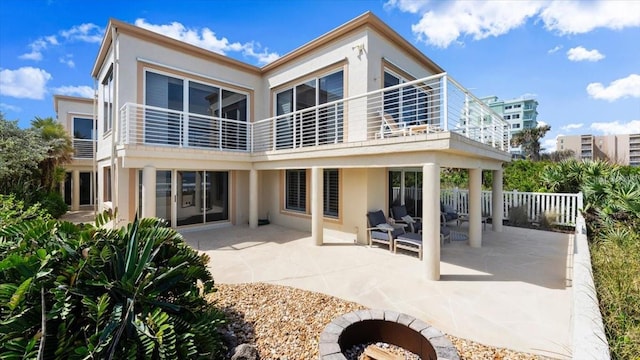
134, 50
323, 57
379, 48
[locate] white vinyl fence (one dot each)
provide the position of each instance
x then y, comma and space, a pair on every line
561, 209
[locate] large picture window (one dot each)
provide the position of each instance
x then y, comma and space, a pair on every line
197, 115
412, 104
317, 126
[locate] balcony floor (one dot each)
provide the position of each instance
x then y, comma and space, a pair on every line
510, 293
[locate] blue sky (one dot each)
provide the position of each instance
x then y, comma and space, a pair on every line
581, 60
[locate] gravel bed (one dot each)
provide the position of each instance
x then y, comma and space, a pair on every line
285, 323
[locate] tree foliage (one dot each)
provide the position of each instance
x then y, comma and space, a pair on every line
74, 292
60, 150
529, 139
21, 151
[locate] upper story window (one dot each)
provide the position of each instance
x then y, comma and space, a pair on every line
317, 126
515, 116
189, 113
508, 107
83, 136
108, 95
515, 126
409, 104
517, 106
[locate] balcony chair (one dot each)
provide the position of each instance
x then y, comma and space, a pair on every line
449, 214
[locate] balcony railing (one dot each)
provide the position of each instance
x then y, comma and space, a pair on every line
150, 125
83, 148
430, 105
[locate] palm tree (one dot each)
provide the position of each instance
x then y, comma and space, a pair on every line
60, 150
530, 141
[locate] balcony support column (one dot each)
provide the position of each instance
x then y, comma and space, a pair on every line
75, 190
148, 191
253, 198
497, 201
475, 207
317, 218
431, 220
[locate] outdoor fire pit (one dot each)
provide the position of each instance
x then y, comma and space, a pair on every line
370, 326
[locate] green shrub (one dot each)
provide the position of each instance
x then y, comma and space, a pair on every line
89, 292
14, 211
53, 203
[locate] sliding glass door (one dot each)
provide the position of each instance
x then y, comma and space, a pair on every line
203, 196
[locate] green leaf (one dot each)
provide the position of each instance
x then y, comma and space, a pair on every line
18, 296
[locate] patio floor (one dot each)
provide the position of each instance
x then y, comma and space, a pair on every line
510, 293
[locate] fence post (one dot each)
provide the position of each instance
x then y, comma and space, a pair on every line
445, 110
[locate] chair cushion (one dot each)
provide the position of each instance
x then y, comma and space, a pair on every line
379, 235
445, 230
399, 212
376, 217
385, 227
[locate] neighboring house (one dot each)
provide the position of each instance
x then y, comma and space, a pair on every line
521, 113
310, 141
76, 116
623, 149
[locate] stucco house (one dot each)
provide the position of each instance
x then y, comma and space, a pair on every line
353, 121
76, 115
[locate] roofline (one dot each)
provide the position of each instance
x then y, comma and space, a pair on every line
136, 31
57, 98
366, 19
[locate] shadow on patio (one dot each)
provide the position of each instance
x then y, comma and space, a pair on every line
509, 293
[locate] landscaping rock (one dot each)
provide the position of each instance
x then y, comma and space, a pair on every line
245, 352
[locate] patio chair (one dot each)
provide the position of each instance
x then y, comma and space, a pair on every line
449, 214
400, 215
380, 231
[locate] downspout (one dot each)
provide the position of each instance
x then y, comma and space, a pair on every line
114, 127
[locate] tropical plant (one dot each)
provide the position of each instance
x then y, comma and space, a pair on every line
529, 139
60, 150
21, 151
74, 292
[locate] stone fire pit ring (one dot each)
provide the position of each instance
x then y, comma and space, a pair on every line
365, 326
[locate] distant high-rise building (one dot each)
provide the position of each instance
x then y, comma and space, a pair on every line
621, 149
520, 113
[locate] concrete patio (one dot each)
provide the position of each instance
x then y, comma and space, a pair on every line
510, 293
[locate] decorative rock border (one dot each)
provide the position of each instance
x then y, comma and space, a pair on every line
395, 328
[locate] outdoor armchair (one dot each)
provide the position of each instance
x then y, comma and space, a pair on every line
400, 215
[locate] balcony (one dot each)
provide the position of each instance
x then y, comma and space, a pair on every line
425, 106
83, 148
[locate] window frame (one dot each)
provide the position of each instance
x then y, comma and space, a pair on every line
108, 93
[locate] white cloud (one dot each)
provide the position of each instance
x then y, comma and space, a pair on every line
443, 23
541, 123
88, 32
570, 127
68, 60
555, 49
548, 145
25, 82
207, 39
616, 127
618, 89
581, 54
82, 91
480, 20
579, 17
8, 107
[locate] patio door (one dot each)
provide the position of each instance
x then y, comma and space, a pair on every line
202, 197
405, 188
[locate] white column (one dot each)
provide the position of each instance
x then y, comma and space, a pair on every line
497, 201
253, 198
431, 220
475, 207
75, 190
317, 217
148, 192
